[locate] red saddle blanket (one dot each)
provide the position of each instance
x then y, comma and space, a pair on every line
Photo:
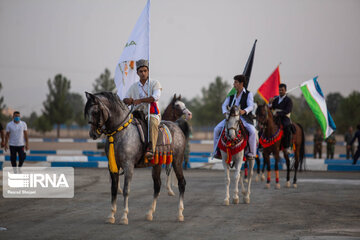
232, 146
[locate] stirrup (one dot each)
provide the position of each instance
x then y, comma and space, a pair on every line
149, 155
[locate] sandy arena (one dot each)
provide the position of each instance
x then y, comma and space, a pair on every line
326, 205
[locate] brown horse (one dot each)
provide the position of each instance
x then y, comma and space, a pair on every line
271, 140
173, 112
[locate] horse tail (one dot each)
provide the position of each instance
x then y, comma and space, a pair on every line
184, 126
302, 148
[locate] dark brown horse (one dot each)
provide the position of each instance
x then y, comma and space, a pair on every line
173, 112
271, 138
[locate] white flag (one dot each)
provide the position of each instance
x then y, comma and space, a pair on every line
136, 48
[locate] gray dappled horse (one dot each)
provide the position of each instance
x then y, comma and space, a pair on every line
234, 136
106, 113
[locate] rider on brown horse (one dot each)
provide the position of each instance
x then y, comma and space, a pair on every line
282, 105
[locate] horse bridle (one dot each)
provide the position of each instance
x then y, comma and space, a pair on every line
232, 128
100, 130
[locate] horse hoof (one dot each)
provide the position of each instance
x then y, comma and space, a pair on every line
171, 193
263, 178
246, 180
226, 202
110, 220
235, 200
277, 186
149, 216
287, 184
124, 221
267, 186
246, 200
181, 218
257, 178
295, 185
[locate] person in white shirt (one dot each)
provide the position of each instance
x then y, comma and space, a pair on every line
17, 138
139, 93
245, 100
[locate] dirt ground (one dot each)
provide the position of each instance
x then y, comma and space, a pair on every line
326, 205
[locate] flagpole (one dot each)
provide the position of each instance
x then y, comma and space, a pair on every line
294, 88
247, 73
149, 77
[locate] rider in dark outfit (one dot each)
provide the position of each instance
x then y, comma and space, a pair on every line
357, 136
282, 104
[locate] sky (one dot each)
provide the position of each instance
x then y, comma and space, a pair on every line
192, 42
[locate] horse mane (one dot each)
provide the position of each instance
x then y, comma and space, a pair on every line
112, 99
168, 112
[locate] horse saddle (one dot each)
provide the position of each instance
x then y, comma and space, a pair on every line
164, 135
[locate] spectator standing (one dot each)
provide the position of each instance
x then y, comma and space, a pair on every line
318, 140
17, 138
357, 136
349, 147
330, 146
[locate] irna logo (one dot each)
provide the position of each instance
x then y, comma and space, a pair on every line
34, 180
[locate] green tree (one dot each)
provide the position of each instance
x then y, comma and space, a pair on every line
348, 112
31, 120
2, 106
302, 114
104, 83
77, 103
42, 124
208, 106
57, 108
333, 101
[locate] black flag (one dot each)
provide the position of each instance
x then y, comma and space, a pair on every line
249, 64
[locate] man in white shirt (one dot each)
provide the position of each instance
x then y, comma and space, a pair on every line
17, 138
245, 100
139, 93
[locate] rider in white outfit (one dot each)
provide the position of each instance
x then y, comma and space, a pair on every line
245, 100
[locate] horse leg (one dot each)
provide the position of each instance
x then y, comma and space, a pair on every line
168, 183
297, 157
114, 189
227, 181
286, 155
277, 159
251, 169
267, 161
126, 191
245, 172
156, 171
238, 164
257, 159
119, 185
181, 183
263, 170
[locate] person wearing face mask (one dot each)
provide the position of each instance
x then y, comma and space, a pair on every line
17, 139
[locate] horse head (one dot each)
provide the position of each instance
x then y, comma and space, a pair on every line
232, 124
100, 109
180, 107
263, 114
